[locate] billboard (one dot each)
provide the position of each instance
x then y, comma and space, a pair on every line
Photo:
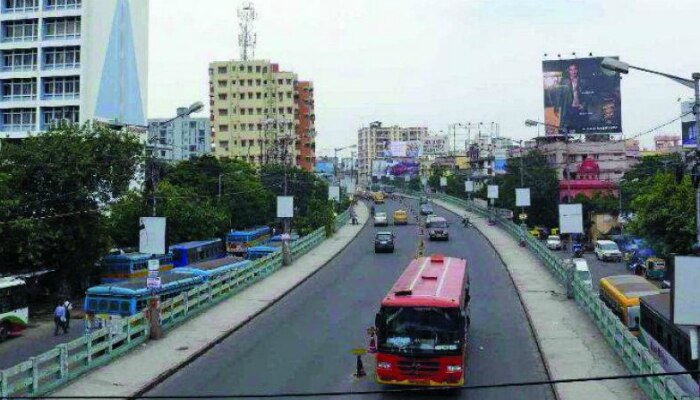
581, 97
571, 218
325, 167
152, 235
396, 167
435, 145
689, 128
499, 162
409, 149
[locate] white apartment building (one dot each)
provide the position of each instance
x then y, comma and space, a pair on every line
374, 141
73, 61
181, 139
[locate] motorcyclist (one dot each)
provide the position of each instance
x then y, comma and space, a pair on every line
465, 220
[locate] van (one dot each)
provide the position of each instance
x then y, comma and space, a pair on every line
607, 250
583, 272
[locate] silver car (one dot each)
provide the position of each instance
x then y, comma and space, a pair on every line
380, 219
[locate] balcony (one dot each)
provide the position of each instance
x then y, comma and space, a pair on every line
20, 6
52, 5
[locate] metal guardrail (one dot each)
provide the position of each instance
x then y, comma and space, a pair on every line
635, 355
65, 362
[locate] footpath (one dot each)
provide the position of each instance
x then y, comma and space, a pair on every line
570, 343
140, 369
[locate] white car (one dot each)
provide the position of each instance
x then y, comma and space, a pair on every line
607, 250
583, 272
380, 218
554, 242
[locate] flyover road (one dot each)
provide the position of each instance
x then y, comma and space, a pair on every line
302, 343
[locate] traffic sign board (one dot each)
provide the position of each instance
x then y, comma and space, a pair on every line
153, 283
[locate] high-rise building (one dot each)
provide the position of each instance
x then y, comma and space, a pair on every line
373, 143
306, 131
72, 60
255, 112
180, 139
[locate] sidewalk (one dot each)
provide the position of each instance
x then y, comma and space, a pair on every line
138, 370
571, 344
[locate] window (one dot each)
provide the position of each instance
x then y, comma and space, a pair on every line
223, 112
62, 4
223, 96
222, 70
258, 111
223, 128
242, 111
18, 89
258, 95
242, 127
11, 6
289, 81
289, 95
257, 82
222, 83
280, 81
61, 57
63, 87
251, 127
241, 68
242, 95
250, 68
250, 111
289, 110
250, 95
241, 82
19, 60
62, 28
52, 115
250, 82
20, 30
264, 70
257, 69
18, 119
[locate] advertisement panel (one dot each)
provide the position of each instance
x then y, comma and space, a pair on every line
396, 167
492, 192
499, 162
435, 145
402, 149
689, 128
571, 218
522, 197
152, 235
324, 167
581, 97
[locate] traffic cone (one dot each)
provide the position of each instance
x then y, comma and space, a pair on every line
372, 348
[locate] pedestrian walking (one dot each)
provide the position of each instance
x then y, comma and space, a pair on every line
59, 319
69, 307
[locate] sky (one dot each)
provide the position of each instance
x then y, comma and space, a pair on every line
428, 63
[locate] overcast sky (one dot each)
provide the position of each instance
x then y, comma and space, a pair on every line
428, 63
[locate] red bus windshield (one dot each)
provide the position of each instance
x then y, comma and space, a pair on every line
420, 330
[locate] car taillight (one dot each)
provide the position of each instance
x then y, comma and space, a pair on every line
454, 368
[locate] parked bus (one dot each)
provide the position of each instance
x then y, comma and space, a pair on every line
129, 297
261, 251
237, 242
193, 252
214, 268
669, 343
422, 324
621, 294
14, 312
121, 267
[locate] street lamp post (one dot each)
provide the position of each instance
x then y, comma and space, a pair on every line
612, 64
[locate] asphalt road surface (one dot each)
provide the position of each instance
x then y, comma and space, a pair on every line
303, 342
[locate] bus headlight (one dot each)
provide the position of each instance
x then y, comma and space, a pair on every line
383, 365
454, 368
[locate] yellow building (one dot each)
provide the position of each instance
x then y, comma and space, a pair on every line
254, 115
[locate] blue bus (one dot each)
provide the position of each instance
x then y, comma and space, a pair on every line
121, 267
213, 268
129, 297
261, 251
237, 242
193, 252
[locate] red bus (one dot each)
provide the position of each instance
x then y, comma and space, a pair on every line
422, 324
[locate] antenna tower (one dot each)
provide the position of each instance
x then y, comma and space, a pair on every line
247, 37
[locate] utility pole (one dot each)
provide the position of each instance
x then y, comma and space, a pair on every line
696, 111
220, 184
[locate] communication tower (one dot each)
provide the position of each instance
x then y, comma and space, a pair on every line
247, 37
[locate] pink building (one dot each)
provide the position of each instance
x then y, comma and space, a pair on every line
587, 182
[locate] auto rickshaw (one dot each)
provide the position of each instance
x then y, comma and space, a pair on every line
655, 268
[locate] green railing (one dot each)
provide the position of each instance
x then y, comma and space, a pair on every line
47, 371
635, 355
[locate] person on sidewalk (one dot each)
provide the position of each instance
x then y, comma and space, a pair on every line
59, 319
68, 306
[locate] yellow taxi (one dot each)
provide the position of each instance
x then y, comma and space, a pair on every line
400, 217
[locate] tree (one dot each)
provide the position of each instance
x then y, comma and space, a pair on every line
665, 213
61, 181
643, 173
542, 180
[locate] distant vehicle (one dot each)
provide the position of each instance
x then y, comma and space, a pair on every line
422, 325
14, 311
400, 217
384, 242
122, 299
122, 267
583, 272
654, 268
237, 242
607, 250
554, 242
426, 209
380, 219
669, 343
194, 252
261, 251
378, 197
437, 228
621, 294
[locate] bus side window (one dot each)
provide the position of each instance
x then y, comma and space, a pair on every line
92, 305
114, 306
125, 308
102, 305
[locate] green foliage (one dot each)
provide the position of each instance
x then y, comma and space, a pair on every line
642, 174
67, 174
664, 213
